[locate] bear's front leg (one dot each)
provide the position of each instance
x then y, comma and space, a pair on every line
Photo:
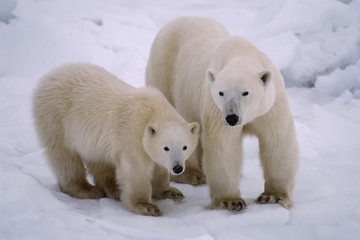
222, 161
279, 158
136, 189
161, 188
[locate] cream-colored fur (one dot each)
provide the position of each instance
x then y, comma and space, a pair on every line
231, 88
85, 116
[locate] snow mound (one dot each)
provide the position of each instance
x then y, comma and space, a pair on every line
6, 9
330, 41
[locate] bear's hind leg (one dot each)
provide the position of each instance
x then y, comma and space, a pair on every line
104, 177
193, 174
71, 174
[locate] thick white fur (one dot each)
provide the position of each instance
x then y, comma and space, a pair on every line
191, 61
86, 116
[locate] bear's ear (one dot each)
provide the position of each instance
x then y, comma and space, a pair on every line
265, 76
194, 127
151, 130
210, 75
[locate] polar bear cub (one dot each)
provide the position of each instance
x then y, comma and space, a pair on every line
127, 138
231, 88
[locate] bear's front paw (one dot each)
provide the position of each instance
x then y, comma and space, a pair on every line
147, 209
275, 198
233, 204
191, 176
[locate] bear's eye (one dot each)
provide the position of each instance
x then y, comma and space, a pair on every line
166, 149
184, 148
245, 93
221, 94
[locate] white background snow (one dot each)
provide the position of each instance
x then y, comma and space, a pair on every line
316, 45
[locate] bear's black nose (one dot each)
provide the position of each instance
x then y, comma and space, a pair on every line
232, 119
178, 169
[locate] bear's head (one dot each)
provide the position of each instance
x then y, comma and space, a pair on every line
242, 91
171, 144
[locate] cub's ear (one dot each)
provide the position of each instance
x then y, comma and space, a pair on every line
194, 127
151, 130
210, 75
265, 76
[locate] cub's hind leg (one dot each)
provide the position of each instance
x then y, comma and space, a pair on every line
71, 173
104, 177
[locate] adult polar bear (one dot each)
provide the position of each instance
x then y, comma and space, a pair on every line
231, 88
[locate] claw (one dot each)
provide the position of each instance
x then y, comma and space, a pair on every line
234, 205
261, 199
273, 199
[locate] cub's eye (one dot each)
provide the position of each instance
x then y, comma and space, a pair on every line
184, 148
245, 93
221, 94
166, 149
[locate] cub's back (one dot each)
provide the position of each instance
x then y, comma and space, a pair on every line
75, 96
84, 78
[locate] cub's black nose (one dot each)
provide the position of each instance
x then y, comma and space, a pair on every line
178, 169
232, 119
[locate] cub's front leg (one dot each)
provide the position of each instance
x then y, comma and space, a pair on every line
135, 184
222, 162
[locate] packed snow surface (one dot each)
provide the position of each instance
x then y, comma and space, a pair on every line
315, 44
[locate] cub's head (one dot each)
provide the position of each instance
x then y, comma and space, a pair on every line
171, 144
241, 92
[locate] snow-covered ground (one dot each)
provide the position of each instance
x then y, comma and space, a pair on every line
316, 44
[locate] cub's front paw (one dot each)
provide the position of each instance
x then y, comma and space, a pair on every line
233, 204
275, 198
147, 209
